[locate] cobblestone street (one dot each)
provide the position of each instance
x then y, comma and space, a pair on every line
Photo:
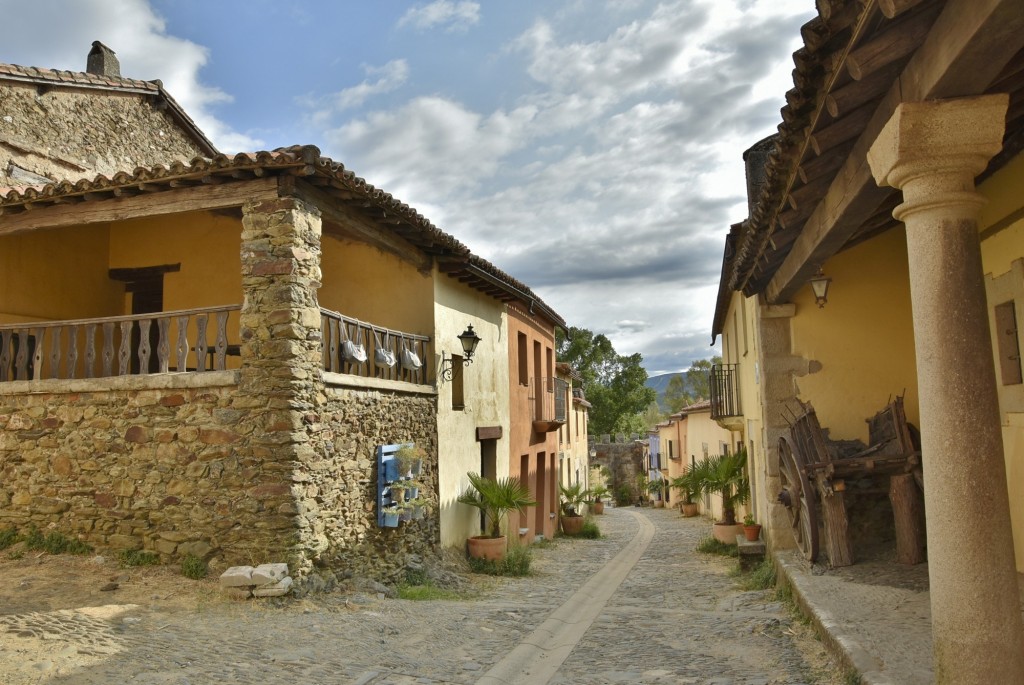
677, 617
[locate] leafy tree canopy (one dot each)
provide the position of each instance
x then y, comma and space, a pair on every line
613, 383
691, 386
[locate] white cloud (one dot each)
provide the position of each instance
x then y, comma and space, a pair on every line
144, 49
459, 16
389, 77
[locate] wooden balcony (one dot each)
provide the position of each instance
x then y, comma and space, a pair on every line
548, 400
187, 341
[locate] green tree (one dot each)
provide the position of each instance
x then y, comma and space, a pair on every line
613, 383
677, 395
652, 416
698, 383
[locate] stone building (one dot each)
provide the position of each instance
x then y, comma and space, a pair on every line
179, 349
64, 125
894, 185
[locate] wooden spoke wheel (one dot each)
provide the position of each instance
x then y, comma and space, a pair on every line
798, 498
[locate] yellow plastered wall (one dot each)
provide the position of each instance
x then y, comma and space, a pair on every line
863, 337
700, 431
1002, 231
485, 394
57, 274
374, 286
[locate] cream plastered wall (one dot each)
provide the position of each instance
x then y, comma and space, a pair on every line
57, 274
485, 395
863, 337
374, 286
1002, 251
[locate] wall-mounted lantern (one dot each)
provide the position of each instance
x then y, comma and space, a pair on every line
469, 340
819, 284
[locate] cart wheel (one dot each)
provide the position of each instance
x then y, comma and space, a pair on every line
798, 498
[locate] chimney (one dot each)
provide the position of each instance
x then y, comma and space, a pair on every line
102, 61
755, 159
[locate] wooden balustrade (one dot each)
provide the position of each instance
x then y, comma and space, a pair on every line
118, 345
193, 340
338, 329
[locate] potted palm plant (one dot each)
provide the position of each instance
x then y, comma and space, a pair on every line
726, 476
495, 498
655, 487
573, 497
688, 486
597, 492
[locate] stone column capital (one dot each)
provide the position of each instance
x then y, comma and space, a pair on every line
933, 150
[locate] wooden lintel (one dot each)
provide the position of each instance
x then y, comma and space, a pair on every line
488, 433
968, 46
147, 204
808, 194
350, 223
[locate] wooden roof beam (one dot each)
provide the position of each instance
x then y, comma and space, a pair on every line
891, 44
968, 46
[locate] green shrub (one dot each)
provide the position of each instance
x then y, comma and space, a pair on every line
516, 563
54, 543
590, 530
137, 557
193, 567
710, 545
8, 537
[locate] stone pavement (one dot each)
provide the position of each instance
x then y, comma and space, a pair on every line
637, 606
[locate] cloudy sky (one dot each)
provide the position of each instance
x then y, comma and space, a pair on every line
589, 148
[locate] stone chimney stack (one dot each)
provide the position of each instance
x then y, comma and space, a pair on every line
755, 159
102, 61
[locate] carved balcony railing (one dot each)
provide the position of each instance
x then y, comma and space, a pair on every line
548, 402
725, 394
159, 342
339, 329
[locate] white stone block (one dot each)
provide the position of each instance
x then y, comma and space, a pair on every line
237, 576
276, 590
265, 574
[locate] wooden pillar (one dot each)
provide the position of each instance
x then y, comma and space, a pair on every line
908, 514
933, 151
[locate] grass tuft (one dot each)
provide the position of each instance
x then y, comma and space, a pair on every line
8, 537
760, 578
193, 567
710, 545
516, 563
54, 543
137, 557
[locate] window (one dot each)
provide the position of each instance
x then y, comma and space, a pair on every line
458, 396
671, 451
1007, 343
524, 364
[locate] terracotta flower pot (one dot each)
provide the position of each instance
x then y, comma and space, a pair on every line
690, 510
726, 533
752, 532
597, 508
572, 525
481, 547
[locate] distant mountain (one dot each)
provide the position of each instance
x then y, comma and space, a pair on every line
660, 383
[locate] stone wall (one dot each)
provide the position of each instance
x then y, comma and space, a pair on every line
337, 490
165, 469
625, 460
71, 134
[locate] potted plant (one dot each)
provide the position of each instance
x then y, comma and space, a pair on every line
751, 528
495, 498
419, 507
654, 487
726, 476
397, 490
642, 483
391, 515
597, 492
405, 512
408, 459
573, 497
688, 487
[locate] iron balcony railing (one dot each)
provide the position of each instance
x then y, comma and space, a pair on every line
725, 391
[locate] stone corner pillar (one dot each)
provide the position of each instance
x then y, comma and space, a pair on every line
933, 151
281, 380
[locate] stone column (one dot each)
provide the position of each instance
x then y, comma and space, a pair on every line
933, 151
281, 384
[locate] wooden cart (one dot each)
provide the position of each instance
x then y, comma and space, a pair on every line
812, 479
